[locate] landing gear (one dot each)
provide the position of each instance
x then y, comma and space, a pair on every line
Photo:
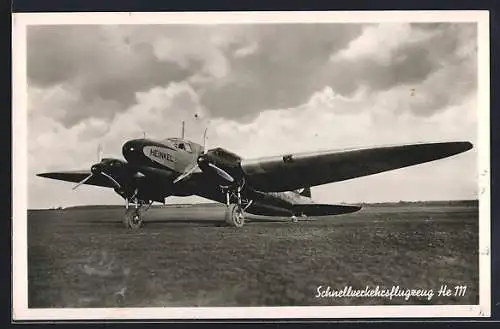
295, 218
235, 211
133, 215
133, 218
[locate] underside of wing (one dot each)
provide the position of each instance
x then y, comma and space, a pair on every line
293, 171
324, 209
78, 176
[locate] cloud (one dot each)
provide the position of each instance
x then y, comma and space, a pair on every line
408, 54
380, 42
278, 69
246, 50
109, 64
239, 70
106, 65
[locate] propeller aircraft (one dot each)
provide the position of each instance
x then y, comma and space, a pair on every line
270, 186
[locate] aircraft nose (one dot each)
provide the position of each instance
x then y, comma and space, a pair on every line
127, 147
131, 148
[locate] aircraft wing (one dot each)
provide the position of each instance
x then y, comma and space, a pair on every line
77, 176
293, 171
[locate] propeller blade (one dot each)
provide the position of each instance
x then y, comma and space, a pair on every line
221, 173
117, 185
99, 153
205, 140
83, 181
185, 174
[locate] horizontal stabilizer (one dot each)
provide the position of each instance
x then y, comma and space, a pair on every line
324, 209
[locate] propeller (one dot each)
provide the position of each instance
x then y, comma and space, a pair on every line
97, 170
83, 181
186, 173
205, 139
117, 185
99, 153
203, 163
222, 173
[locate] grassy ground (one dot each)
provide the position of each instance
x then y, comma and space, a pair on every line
86, 258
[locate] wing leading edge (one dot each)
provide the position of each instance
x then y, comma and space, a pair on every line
293, 171
77, 176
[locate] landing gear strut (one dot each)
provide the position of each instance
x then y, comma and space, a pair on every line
235, 215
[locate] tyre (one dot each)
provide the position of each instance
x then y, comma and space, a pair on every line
132, 219
234, 216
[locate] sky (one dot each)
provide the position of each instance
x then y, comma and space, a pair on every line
261, 89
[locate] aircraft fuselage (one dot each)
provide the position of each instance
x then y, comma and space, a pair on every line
167, 160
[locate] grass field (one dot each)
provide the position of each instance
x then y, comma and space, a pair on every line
181, 257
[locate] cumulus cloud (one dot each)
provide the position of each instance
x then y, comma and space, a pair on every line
379, 42
246, 50
261, 90
232, 67
408, 55
106, 65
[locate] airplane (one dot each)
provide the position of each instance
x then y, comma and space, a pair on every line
269, 186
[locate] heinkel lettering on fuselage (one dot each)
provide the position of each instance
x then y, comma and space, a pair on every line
161, 155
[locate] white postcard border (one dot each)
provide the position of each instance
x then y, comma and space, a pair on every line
19, 162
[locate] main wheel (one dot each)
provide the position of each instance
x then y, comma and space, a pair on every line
132, 218
234, 216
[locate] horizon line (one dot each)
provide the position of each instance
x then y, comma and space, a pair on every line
218, 203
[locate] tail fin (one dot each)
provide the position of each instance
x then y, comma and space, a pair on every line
306, 192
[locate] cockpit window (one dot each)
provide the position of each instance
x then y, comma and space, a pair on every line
184, 146
180, 144
187, 147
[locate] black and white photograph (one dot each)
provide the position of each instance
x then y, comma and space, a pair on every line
251, 165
